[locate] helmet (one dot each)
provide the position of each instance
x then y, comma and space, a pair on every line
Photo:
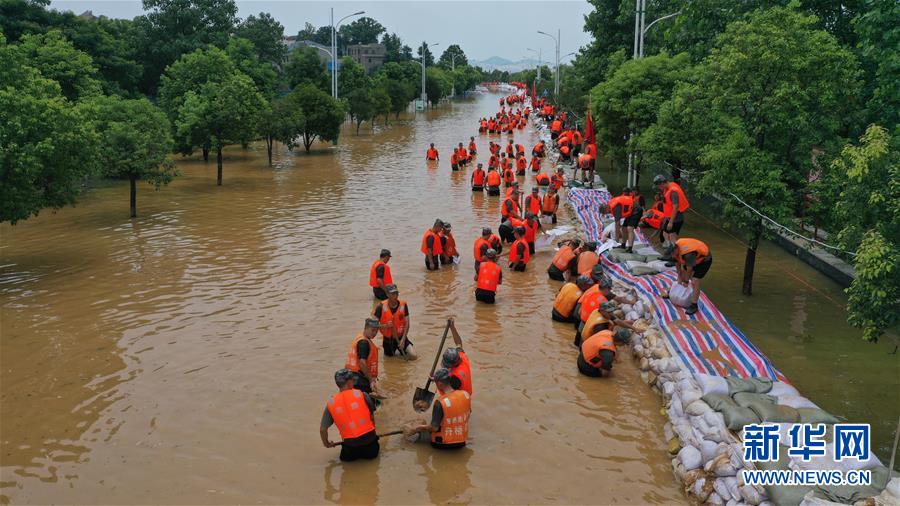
450, 358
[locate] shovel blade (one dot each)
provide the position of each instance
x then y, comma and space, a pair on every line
422, 399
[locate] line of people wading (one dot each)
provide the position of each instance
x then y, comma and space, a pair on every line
585, 300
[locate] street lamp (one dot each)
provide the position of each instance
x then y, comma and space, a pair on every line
556, 40
424, 48
334, 87
453, 68
640, 30
538, 51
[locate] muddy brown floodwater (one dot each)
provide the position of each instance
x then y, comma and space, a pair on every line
186, 356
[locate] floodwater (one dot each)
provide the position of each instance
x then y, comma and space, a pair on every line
797, 317
186, 356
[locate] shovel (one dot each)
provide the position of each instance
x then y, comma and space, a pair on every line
423, 394
391, 433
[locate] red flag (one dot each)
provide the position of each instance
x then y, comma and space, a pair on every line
589, 129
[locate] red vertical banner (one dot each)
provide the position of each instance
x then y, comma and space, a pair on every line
589, 129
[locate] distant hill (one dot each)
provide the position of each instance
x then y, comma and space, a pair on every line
500, 63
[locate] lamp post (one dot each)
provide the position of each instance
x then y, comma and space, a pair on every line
424, 47
556, 40
453, 68
334, 87
538, 51
640, 12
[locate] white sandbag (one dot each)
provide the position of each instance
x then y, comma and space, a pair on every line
697, 408
667, 365
632, 316
626, 308
708, 450
714, 419
751, 495
639, 306
699, 489
711, 384
646, 250
679, 294
660, 265
796, 401
715, 499
690, 457
689, 395
734, 490
544, 242
721, 488
780, 388
669, 389
685, 432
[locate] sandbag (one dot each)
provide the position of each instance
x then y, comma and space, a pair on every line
780, 388
711, 384
758, 385
776, 413
746, 399
736, 417
816, 415
796, 401
644, 270
679, 294
846, 494
719, 402
690, 457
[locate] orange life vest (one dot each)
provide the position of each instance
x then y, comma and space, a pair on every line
495, 148
542, 179
373, 277
453, 158
488, 276
508, 175
436, 247
478, 177
450, 246
590, 300
463, 372
563, 140
550, 203
398, 319
462, 154
504, 211
591, 150
521, 164
592, 346
655, 218
533, 205
350, 413
563, 257
683, 204
584, 161
509, 150
557, 181
556, 126
624, 202
576, 138
566, 299
472, 148
514, 252
685, 246
538, 148
535, 164
520, 149
352, 362
586, 261
432, 154
455, 425
493, 178
564, 150
594, 319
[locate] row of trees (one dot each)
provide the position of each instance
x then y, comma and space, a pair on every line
83, 96
791, 107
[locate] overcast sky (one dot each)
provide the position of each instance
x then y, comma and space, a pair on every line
482, 29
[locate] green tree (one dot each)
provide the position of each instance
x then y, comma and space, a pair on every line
455, 55
400, 94
172, 28
57, 59
351, 76
772, 90
135, 140
361, 105
879, 36
438, 84
382, 103
429, 58
364, 30
628, 102
266, 33
49, 145
243, 54
322, 115
321, 35
394, 49
221, 113
305, 67
282, 121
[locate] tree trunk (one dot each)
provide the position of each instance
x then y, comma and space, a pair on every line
307, 141
269, 142
205, 154
750, 260
133, 178
358, 123
219, 163
676, 173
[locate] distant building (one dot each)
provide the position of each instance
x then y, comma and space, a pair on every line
293, 43
370, 56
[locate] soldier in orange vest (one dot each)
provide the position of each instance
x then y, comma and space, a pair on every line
449, 427
488, 277
675, 204
431, 246
565, 260
393, 315
380, 275
693, 259
597, 354
457, 363
352, 410
362, 358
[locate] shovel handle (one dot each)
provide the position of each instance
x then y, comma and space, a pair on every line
391, 433
438, 356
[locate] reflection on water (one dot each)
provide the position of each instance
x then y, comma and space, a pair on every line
186, 356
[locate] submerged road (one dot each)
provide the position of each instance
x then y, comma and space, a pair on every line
186, 356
